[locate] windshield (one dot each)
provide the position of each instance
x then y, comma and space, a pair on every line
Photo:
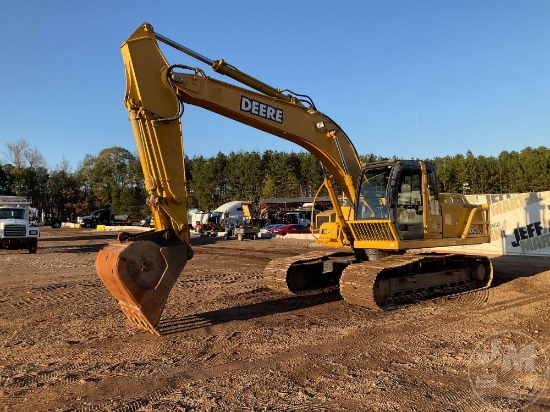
372, 194
12, 213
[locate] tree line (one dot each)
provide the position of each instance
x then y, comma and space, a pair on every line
114, 177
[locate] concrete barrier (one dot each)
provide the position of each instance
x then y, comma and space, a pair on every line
69, 224
126, 228
308, 236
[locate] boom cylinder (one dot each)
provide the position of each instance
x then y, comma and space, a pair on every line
222, 67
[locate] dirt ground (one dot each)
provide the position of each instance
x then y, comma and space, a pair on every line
228, 343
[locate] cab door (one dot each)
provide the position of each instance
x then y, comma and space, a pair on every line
409, 205
433, 227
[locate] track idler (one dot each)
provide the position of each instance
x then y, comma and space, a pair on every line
140, 271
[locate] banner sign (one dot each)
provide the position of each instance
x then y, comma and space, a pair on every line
520, 224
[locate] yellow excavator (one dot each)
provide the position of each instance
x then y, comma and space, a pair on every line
384, 214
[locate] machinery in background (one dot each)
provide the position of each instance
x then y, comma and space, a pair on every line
104, 217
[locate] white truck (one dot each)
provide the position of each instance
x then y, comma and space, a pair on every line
297, 217
230, 213
17, 230
236, 219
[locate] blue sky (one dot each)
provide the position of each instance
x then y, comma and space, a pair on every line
414, 79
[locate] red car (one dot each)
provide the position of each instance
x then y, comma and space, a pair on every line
271, 228
291, 228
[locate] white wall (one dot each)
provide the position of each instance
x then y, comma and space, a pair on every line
520, 224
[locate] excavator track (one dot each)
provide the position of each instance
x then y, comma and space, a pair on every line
306, 273
402, 279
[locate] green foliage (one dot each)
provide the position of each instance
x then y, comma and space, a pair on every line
510, 172
371, 157
114, 178
209, 185
251, 176
283, 169
63, 194
311, 174
244, 170
5, 179
29, 182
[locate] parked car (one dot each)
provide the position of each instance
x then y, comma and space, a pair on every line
145, 222
270, 228
292, 228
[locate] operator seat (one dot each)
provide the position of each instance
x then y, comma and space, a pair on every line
405, 195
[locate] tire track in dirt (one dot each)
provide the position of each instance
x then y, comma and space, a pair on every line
214, 343
84, 369
67, 373
473, 299
235, 343
230, 251
520, 301
57, 293
56, 265
197, 374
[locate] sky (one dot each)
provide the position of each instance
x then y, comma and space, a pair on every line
412, 79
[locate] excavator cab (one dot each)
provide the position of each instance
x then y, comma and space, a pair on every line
404, 192
415, 201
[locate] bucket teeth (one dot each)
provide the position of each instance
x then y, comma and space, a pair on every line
135, 315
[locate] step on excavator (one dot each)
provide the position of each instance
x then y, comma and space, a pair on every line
385, 214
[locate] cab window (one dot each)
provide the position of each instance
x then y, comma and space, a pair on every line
372, 195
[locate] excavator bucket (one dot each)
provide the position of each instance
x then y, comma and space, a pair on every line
140, 275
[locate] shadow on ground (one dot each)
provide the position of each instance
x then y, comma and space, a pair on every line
246, 312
